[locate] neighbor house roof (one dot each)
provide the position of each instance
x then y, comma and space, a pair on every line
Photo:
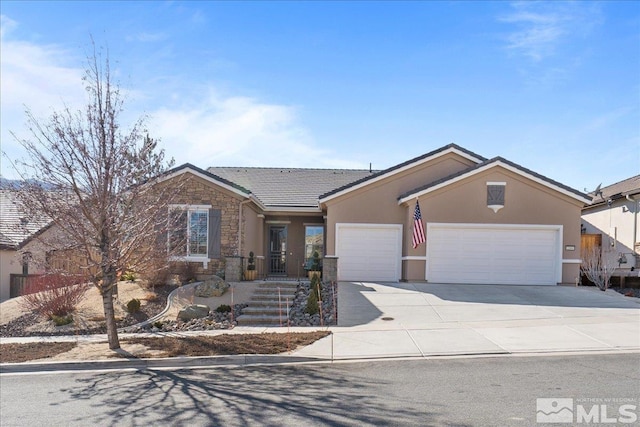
15, 229
496, 161
627, 187
451, 148
289, 187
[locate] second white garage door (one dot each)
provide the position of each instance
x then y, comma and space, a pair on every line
493, 254
369, 252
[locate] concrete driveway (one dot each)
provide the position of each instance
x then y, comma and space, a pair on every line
426, 319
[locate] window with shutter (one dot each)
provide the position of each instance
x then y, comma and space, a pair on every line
495, 195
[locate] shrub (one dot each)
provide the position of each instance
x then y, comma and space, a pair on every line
158, 324
312, 301
133, 306
252, 262
62, 320
54, 294
128, 276
223, 308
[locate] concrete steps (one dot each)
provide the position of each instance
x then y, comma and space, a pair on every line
268, 304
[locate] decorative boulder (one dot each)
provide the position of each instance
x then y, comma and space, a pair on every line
213, 287
195, 311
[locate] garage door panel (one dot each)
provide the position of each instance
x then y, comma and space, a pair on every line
491, 254
368, 252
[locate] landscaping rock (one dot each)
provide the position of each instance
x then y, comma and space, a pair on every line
195, 311
297, 313
213, 287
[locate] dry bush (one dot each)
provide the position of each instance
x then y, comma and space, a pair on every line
597, 267
54, 294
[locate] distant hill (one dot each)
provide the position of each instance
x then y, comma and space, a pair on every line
7, 184
10, 184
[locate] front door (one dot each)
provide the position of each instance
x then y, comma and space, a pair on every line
278, 250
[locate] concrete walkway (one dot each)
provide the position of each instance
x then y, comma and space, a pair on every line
378, 320
391, 320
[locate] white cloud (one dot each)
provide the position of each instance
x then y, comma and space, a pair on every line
206, 129
541, 27
35, 77
238, 131
146, 37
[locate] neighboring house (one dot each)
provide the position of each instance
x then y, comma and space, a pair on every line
486, 221
20, 253
613, 218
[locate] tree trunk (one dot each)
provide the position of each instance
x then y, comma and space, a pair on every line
109, 313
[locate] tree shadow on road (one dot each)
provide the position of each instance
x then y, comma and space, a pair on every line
271, 396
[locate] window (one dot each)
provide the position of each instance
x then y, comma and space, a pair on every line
313, 240
192, 232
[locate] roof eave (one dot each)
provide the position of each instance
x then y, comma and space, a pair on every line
452, 148
208, 176
491, 164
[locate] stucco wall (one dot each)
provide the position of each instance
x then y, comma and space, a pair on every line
526, 202
377, 203
621, 215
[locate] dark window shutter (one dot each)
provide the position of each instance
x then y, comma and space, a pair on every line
162, 231
495, 195
215, 233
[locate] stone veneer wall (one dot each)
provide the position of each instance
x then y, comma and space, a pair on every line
199, 192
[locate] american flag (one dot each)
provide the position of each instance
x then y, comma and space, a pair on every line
418, 228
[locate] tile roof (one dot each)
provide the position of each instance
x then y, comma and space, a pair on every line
489, 162
14, 230
629, 186
289, 187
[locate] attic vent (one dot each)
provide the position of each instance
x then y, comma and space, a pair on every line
495, 195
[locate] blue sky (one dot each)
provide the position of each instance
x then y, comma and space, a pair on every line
552, 86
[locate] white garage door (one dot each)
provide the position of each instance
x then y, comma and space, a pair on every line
369, 252
496, 254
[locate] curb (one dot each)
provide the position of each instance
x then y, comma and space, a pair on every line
170, 362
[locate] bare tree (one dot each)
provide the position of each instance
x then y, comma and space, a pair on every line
596, 267
94, 179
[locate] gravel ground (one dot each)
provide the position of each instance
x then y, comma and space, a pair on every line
23, 326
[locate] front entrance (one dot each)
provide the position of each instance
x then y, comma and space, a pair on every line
278, 250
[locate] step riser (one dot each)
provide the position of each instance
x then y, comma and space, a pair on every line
273, 304
274, 290
264, 311
276, 287
259, 298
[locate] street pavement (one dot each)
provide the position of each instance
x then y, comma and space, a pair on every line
420, 320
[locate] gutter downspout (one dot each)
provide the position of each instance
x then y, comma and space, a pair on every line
635, 225
240, 225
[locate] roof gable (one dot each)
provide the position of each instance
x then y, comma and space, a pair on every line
451, 148
15, 231
626, 187
488, 164
208, 176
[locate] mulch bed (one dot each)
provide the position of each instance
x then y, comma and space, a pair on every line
227, 344
18, 353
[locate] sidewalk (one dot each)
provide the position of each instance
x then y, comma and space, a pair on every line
397, 320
